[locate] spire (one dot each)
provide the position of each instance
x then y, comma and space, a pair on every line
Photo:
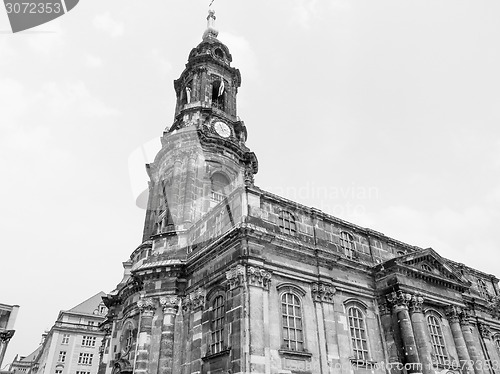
211, 31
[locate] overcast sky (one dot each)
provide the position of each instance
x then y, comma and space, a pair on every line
383, 113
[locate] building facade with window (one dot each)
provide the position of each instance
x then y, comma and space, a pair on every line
233, 279
72, 344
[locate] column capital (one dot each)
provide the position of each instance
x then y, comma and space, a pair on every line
146, 306
258, 277
194, 300
169, 303
384, 306
484, 330
465, 316
323, 292
453, 312
236, 276
6, 335
399, 299
416, 304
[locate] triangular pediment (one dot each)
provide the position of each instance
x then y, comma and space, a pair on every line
431, 264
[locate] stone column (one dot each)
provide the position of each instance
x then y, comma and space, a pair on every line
422, 336
5, 337
170, 305
322, 293
491, 351
472, 344
388, 331
453, 315
400, 301
147, 308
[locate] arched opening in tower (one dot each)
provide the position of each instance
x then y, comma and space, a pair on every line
218, 94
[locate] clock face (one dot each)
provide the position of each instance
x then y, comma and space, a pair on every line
222, 129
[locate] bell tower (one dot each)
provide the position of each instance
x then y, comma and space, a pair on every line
203, 157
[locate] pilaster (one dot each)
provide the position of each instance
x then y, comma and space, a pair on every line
322, 293
170, 305
147, 309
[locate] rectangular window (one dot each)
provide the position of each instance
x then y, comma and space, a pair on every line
85, 358
58, 371
65, 339
62, 356
88, 341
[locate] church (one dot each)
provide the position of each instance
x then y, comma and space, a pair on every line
230, 278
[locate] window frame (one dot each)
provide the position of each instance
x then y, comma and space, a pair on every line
482, 288
361, 327
299, 293
85, 358
62, 356
287, 223
347, 244
436, 332
217, 324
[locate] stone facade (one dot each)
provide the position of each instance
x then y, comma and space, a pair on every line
233, 279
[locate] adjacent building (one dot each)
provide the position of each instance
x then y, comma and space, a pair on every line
230, 278
26, 364
8, 314
72, 344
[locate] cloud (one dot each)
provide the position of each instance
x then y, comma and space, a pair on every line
107, 24
303, 11
47, 40
163, 64
242, 52
74, 98
93, 61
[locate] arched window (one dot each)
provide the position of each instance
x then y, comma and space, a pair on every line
482, 288
291, 316
219, 182
286, 223
347, 244
218, 94
357, 332
437, 338
218, 314
128, 337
